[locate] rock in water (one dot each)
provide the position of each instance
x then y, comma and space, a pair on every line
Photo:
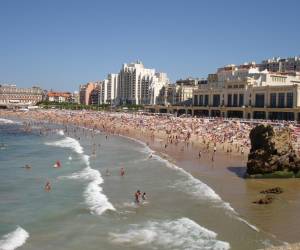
271, 151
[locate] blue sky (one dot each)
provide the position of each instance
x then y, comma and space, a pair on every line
59, 44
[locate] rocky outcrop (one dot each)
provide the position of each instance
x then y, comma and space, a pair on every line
275, 190
272, 153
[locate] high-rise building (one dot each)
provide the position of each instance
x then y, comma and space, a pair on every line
139, 85
85, 92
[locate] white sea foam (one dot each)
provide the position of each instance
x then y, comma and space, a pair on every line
60, 132
67, 142
194, 186
183, 233
6, 121
14, 239
97, 201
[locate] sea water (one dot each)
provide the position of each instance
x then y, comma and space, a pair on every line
87, 209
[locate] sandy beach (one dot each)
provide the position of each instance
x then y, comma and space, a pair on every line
213, 151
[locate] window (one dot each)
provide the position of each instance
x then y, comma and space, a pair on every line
201, 100
259, 100
235, 100
196, 100
229, 100
289, 100
241, 100
205, 100
281, 97
216, 100
273, 100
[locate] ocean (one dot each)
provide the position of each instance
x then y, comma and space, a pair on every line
90, 209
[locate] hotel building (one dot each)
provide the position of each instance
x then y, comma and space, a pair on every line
11, 96
246, 92
139, 85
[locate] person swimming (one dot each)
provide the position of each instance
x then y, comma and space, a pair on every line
48, 186
27, 166
57, 164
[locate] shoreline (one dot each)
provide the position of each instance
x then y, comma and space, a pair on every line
185, 156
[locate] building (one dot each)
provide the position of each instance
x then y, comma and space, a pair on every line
139, 85
247, 92
11, 96
109, 90
112, 88
184, 91
94, 95
180, 93
58, 96
75, 97
277, 64
85, 91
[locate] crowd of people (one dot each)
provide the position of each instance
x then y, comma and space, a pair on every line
211, 134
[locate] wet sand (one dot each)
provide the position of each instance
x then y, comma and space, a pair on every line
225, 176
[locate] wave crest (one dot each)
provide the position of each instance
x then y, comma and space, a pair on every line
14, 239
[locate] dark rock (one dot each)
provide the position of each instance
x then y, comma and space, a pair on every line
276, 190
265, 200
271, 151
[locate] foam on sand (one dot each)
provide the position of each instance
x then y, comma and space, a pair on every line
182, 233
14, 239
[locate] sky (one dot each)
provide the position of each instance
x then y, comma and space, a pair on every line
59, 44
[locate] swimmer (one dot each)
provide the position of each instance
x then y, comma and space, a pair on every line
144, 196
48, 186
57, 164
107, 173
27, 167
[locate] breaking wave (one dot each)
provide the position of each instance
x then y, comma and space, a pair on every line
182, 233
95, 199
194, 186
14, 239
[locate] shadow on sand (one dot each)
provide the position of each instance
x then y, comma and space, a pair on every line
239, 171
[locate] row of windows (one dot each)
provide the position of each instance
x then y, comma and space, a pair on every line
278, 79
236, 86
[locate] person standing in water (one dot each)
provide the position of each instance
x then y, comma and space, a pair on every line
144, 196
137, 196
122, 171
48, 186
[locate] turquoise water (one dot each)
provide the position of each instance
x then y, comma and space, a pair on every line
86, 209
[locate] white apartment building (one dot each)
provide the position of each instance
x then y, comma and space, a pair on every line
138, 85
108, 90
